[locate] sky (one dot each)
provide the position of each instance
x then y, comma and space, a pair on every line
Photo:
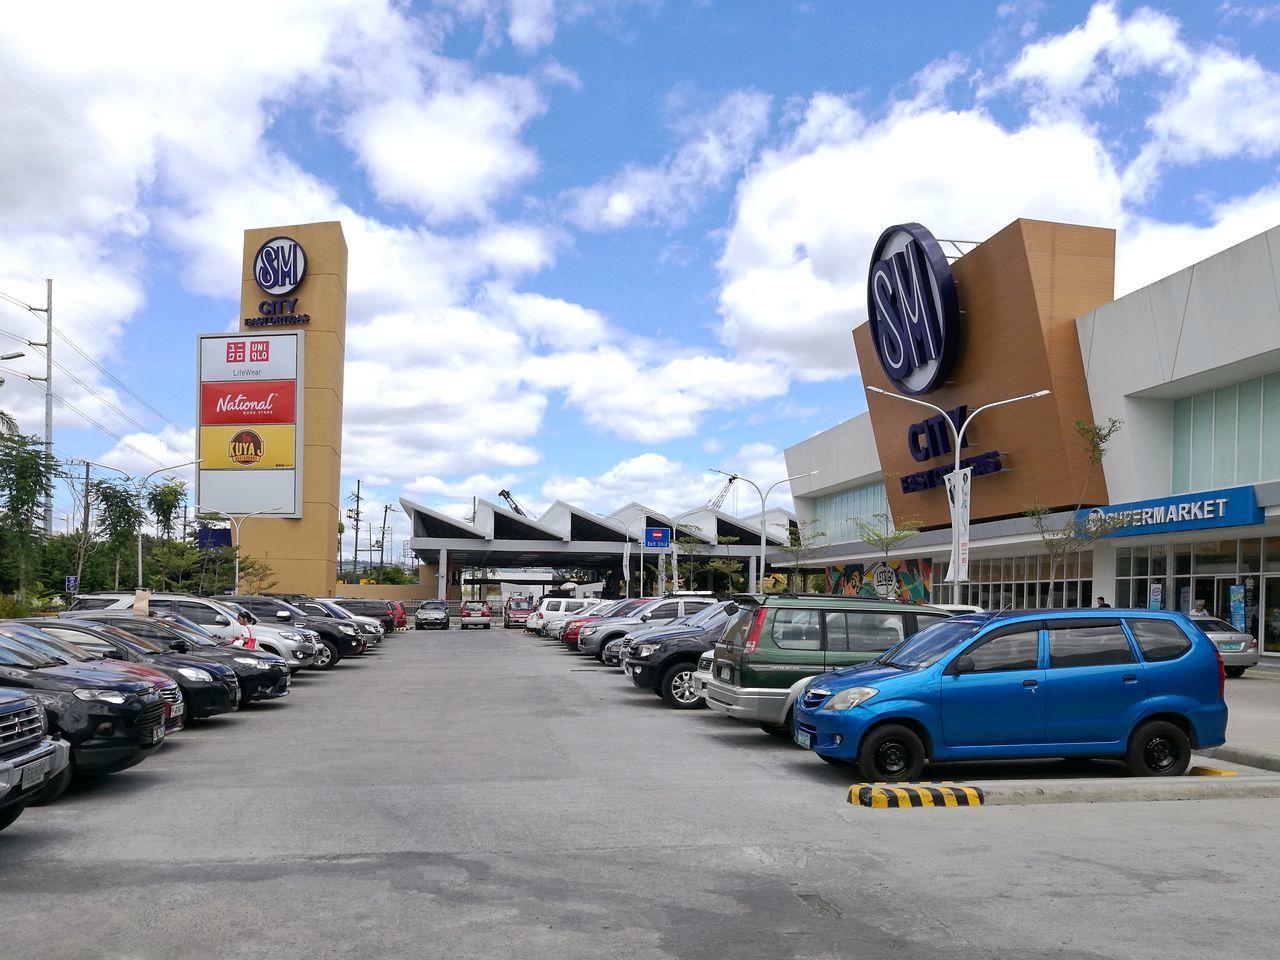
597, 247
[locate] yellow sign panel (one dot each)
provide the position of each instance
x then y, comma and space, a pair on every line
247, 448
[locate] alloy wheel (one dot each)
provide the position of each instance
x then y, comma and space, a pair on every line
683, 688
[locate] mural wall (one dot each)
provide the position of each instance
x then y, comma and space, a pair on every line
904, 579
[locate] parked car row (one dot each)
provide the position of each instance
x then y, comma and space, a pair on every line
98, 689
888, 687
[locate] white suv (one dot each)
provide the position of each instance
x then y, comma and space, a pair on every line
552, 609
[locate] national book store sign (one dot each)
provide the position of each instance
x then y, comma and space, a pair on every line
250, 423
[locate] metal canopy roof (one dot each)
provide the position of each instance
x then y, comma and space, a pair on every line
566, 536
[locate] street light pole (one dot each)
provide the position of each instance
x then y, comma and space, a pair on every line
764, 496
142, 486
235, 534
626, 566
957, 440
675, 549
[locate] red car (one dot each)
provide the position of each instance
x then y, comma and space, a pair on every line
397, 610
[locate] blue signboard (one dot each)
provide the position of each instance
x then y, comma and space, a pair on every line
1235, 594
211, 538
657, 538
1235, 507
73, 584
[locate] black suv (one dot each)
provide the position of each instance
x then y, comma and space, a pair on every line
664, 659
378, 609
28, 757
110, 723
341, 639
208, 688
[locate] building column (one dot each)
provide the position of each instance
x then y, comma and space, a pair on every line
1104, 574
751, 573
442, 577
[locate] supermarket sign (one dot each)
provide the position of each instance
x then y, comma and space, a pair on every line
250, 423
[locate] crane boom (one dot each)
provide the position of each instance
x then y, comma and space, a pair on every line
511, 502
718, 500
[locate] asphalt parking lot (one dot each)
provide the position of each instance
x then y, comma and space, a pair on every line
487, 794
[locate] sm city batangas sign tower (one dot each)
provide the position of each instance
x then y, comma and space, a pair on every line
997, 323
269, 404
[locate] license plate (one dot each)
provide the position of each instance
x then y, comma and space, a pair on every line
177, 709
33, 774
1231, 646
802, 738
157, 734
726, 672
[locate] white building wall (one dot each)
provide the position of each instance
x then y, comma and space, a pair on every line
1210, 325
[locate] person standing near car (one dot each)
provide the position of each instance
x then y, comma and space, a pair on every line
1198, 610
1102, 602
246, 638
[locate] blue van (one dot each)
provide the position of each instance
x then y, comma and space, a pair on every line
1138, 685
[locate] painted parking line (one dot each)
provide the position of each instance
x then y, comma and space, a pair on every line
902, 796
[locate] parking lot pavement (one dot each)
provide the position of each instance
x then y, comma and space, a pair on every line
1253, 727
488, 795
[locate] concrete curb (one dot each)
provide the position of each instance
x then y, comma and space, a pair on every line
1127, 790
1244, 756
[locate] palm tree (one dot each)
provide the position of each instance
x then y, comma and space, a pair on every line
8, 424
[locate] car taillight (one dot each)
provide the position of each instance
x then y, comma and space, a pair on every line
466, 613
753, 638
1222, 675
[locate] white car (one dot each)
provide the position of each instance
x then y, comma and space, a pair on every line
551, 609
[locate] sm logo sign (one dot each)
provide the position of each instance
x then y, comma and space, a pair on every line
913, 309
279, 266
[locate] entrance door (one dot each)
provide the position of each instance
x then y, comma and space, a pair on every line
1271, 615
1206, 589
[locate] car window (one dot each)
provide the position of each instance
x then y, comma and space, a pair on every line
85, 641
665, 611
929, 619
551, 606
797, 630
693, 606
1159, 640
1015, 649
91, 603
1213, 625
863, 631
1088, 644
199, 612
474, 605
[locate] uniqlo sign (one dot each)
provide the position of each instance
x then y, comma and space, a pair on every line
249, 407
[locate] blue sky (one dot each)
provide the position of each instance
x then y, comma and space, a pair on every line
597, 246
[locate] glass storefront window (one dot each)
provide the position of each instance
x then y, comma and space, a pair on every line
1271, 554
1086, 565
1159, 561
1250, 556
1122, 593
1182, 559
1124, 562
1216, 556
1140, 562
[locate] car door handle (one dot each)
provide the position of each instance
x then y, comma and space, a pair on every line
1030, 684
1130, 678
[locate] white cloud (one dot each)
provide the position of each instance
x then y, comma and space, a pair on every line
721, 142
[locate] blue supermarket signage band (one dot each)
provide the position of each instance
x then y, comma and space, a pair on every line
657, 537
1235, 507
913, 309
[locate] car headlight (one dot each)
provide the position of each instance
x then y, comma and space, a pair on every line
102, 696
586, 630
645, 649
848, 699
200, 676
248, 661
290, 635
346, 628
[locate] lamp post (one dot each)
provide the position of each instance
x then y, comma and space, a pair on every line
675, 548
626, 558
764, 496
142, 486
957, 440
12, 356
235, 533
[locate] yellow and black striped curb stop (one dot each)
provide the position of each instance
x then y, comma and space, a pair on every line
884, 795
1210, 772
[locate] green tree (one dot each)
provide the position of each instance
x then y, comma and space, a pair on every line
1077, 533
119, 519
27, 472
880, 531
803, 540
8, 425
165, 501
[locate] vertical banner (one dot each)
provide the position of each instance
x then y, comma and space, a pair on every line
1155, 599
958, 486
249, 411
1236, 594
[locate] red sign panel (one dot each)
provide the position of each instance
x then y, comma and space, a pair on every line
269, 401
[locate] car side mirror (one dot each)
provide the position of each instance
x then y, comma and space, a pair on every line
180, 646
221, 621
113, 654
645, 617
965, 664
283, 615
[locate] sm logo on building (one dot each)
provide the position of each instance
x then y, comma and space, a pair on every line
913, 308
279, 266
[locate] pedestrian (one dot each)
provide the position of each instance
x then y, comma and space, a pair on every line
246, 638
1199, 611
1102, 602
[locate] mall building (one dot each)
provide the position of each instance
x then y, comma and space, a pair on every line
1189, 486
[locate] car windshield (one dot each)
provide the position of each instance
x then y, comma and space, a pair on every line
15, 653
133, 642
931, 644
1214, 625
521, 605
179, 620
236, 609
713, 612
474, 605
628, 607
433, 604
40, 641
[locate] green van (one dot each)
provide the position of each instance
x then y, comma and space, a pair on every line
779, 639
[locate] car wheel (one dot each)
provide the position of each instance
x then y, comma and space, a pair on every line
599, 654
55, 787
1236, 671
1158, 749
8, 816
890, 754
781, 731
679, 689
488, 625
324, 657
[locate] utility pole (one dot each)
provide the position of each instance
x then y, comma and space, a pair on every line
48, 396
354, 515
382, 544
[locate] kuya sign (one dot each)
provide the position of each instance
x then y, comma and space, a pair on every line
913, 309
